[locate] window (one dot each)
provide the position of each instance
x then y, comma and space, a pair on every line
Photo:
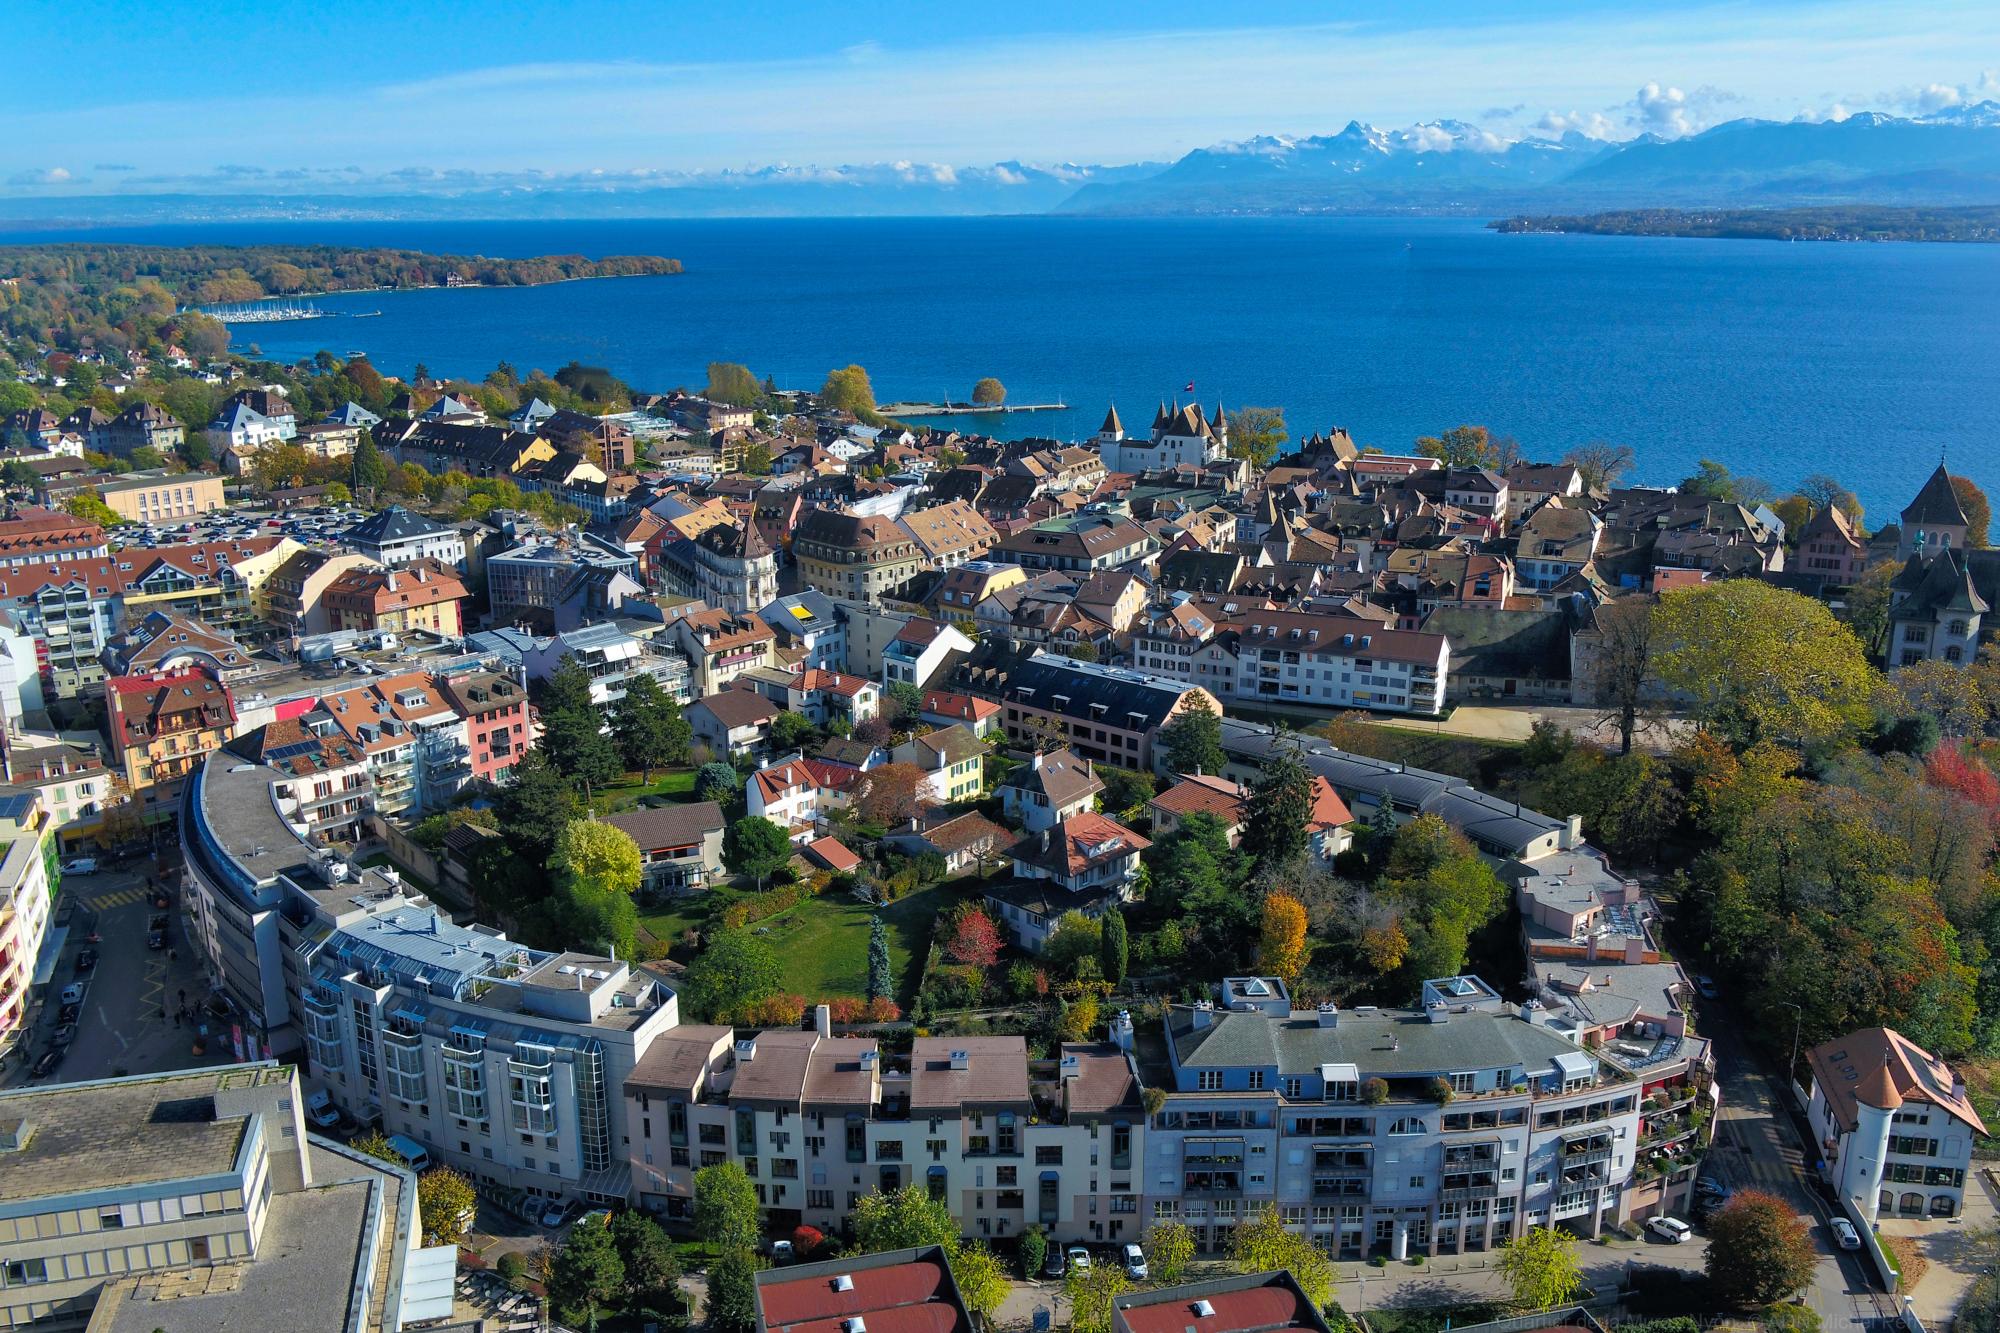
1210, 1080
1462, 1082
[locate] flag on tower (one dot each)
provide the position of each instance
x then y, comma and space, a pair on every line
1189, 388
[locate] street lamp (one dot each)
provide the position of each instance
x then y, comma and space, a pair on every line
1798, 1021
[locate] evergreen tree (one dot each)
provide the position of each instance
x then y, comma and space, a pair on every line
371, 472
578, 748
586, 1273
1194, 739
649, 729
1113, 947
1274, 825
568, 689
881, 985
535, 808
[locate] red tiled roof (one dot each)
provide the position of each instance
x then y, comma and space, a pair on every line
963, 707
895, 1298
831, 853
1259, 1308
1328, 811
1071, 844
833, 682
1204, 794
105, 578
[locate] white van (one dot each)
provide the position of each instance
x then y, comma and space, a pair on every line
1670, 1230
412, 1152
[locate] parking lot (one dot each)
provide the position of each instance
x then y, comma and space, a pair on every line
126, 1021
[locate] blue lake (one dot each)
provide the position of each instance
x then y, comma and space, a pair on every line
1778, 359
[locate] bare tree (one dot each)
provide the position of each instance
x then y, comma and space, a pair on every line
1601, 463
1621, 669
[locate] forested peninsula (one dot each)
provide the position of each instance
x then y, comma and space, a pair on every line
1777, 224
120, 295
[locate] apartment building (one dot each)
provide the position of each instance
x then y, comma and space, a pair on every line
31, 535
196, 1201
1106, 714
854, 556
818, 1121
566, 578
1898, 1122
1086, 863
809, 627
953, 761
1048, 789
28, 883
161, 497
413, 737
735, 568
1085, 543
418, 595
163, 725
495, 709
721, 646
1452, 1126
294, 596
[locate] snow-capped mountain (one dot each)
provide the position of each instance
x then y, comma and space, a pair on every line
1952, 156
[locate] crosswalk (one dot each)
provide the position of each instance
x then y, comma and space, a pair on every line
116, 898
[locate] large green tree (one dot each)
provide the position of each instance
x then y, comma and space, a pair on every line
652, 1266
1280, 804
1256, 434
848, 390
731, 383
536, 807
1194, 738
649, 729
1262, 1243
989, 392
732, 1291
725, 1206
1466, 446
586, 1276
1541, 1266
1444, 891
736, 968
1757, 662
757, 847
881, 981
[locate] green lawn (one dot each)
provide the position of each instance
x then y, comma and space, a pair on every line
627, 792
823, 942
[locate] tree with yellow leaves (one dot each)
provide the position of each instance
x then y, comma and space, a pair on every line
1282, 947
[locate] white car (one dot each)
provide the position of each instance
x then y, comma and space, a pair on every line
321, 1110
80, 865
557, 1213
73, 993
1135, 1262
1079, 1259
1670, 1230
1845, 1235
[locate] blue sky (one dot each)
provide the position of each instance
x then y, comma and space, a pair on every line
117, 96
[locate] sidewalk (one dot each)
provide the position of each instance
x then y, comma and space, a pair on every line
1948, 1246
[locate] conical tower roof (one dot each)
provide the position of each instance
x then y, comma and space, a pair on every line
1112, 425
1877, 1088
1937, 503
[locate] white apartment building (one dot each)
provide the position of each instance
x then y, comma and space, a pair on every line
27, 879
1302, 657
397, 537
1449, 1127
818, 1121
1900, 1123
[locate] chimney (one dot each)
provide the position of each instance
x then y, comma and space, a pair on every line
1045, 840
1121, 1030
961, 1060
1036, 762
746, 1050
1529, 1010
1438, 1011
822, 1020
1635, 950
1204, 1014
1329, 1015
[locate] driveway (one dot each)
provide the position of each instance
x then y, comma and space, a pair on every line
1949, 1246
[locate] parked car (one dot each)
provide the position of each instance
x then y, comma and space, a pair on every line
65, 1034
1054, 1266
69, 1013
321, 1110
79, 865
1079, 1258
556, 1214
1705, 986
85, 961
73, 993
783, 1252
1845, 1235
158, 921
51, 1058
1670, 1230
1135, 1262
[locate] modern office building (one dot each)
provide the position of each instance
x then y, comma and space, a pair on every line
195, 1201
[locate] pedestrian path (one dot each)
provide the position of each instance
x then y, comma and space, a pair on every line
116, 898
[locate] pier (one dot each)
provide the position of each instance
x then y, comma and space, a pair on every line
965, 409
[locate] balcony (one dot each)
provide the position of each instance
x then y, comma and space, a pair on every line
1467, 1192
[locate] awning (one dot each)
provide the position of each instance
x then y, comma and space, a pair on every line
1340, 1073
52, 947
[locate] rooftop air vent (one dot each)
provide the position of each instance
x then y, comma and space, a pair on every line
843, 1283
1202, 1309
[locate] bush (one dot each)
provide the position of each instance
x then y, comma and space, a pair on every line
955, 986
771, 1011
882, 1009
847, 1008
761, 906
1375, 1091
510, 1267
1440, 1092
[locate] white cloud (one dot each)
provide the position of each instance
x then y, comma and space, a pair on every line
1671, 113
41, 176
1929, 98
1590, 124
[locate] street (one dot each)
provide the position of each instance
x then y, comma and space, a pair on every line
1757, 1147
122, 1029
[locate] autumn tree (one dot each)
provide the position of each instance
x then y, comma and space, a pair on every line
975, 941
89, 506
1169, 1249
1945, 691
1282, 946
1467, 446
1759, 1250
1541, 1266
891, 795
1091, 1292
731, 383
848, 390
1978, 512
1822, 491
1757, 662
989, 392
1600, 464
1263, 1244
597, 856
1256, 434
445, 1203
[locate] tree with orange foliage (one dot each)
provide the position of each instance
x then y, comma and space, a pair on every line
1954, 769
976, 940
891, 795
1282, 947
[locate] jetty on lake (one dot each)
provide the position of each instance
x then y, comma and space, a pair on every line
967, 409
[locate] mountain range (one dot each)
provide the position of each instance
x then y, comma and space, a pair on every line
1447, 166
